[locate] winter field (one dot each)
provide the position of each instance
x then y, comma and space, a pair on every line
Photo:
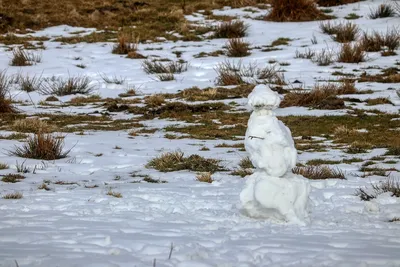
150, 135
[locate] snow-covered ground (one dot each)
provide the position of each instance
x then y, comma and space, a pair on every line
184, 222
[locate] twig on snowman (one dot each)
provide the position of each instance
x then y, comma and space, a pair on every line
252, 136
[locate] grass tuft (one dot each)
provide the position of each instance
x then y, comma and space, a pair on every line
319, 172
382, 11
67, 86
15, 195
352, 53
236, 47
151, 67
12, 178
21, 57
114, 193
294, 10
231, 29
205, 177
176, 161
41, 146
389, 185
125, 45
32, 125
5, 102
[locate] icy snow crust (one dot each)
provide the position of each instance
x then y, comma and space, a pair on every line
76, 225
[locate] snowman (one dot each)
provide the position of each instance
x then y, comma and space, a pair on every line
273, 191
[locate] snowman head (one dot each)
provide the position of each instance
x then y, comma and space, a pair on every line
263, 98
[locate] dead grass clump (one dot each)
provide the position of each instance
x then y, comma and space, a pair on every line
319, 172
378, 101
126, 44
231, 29
325, 57
164, 77
344, 32
343, 130
3, 166
114, 194
44, 186
69, 86
205, 177
41, 146
32, 125
236, 47
12, 178
294, 10
15, 195
352, 53
176, 161
228, 74
30, 84
245, 168
376, 41
5, 102
321, 97
154, 100
383, 11
358, 147
307, 54
389, 185
151, 67
21, 57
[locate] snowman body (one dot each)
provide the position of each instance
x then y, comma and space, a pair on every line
273, 191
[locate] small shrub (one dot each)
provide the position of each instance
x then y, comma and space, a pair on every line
41, 146
124, 45
351, 53
68, 86
15, 195
319, 172
151, 67
21, 57
237, 48
30, 84
383, 11
231, 29
294, 10
5, 102
389, 185
12, 178
32, 125
205, 177
176, 161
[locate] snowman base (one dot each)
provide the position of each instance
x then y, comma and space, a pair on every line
278, 199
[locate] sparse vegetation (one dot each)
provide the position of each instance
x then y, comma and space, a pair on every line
41, 146
32, 125
114, 193
30, 83
151, 67
3, 166
5, 103
126, 44
389, 185
319, 172
324, 57
176, 161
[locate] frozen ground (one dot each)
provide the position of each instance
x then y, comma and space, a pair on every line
184, 222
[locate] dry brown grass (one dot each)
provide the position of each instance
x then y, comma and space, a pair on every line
294, 10
319, 172
375, 41
114, 193
321, 96
15, 195
352, 53
176, 161
343, 32
12, 178
32, 125
390, 185
231, 29
41, 146
205, 177
21, 57
236, 47
5, 102
126, 44
383, 11
154, 100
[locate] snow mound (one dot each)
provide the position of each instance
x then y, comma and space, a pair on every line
278, 199
263, 98
270, 144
